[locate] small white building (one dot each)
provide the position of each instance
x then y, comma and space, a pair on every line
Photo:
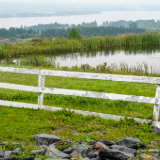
4, 40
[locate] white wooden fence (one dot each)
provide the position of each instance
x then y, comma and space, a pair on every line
41, 89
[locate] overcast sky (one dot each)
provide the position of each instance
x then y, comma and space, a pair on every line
154, 2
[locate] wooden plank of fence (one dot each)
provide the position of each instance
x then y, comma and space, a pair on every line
85, 113
101, 95
19, 87
111, 77
41, 82
80, 93
18, 104
19, 70
157, 104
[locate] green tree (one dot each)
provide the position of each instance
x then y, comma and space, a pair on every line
74, 34
133, 25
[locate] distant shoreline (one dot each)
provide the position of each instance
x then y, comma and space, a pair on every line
31, 15
78, 19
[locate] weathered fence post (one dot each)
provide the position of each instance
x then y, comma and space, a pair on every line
157, 104
41, 82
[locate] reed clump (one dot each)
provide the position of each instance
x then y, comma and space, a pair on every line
139, 69
39, 46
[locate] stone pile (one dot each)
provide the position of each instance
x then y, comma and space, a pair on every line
96, 150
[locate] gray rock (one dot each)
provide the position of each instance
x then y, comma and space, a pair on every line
90, 153
7, 153
97, 158
156, 130
75, 154
114, 154
84, 150
17, 151
1, 153
79, 148
45, 139
86, 158
156, 155
154, 158
55, 159
124, 149
54, 152
106, 142
28, 158
43, 147
99, 145
130, 142
38, 152
15, 158
2, 144
145, 157
37, 159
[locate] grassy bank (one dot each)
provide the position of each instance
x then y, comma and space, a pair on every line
140, 69
130, 109
26, 123
64, 45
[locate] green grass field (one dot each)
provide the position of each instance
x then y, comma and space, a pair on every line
20, 125
129, 109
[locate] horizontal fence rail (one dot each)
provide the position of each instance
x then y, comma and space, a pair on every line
41, 89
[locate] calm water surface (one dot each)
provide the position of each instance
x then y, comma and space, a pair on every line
78, 19
152, 59
132, 57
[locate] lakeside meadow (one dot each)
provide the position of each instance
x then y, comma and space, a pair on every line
39, 46
33, 54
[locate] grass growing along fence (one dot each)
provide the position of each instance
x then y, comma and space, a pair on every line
28, 122
63, 45
129, 109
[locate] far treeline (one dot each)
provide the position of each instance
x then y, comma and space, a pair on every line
20, 33
147, 24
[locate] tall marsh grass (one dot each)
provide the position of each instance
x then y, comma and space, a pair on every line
39, 46
139, 69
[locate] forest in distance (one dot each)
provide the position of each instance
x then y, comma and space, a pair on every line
21, 33
112, 28
147, 24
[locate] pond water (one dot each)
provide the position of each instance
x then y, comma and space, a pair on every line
132, 57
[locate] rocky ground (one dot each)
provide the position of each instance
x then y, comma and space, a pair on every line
55, 148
